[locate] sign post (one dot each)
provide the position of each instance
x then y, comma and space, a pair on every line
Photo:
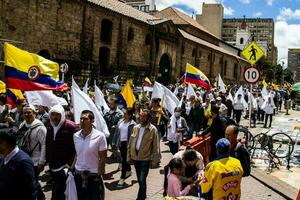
252, 53
63, 69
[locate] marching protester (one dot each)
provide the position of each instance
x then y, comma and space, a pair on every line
195, 118
176, 129
89, 163
60, 150
122, 135
42, 115
17, 174
238, 107
268, 108
32, 135
217, 129
143, 150
112, 117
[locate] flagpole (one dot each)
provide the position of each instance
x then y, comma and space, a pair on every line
161, 108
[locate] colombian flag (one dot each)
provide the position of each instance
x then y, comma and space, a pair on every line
147, 82
195, 76
13, 96
27, 71
127, 95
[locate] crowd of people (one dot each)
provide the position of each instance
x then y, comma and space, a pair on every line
34, 136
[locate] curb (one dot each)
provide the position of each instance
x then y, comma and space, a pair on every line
277, 185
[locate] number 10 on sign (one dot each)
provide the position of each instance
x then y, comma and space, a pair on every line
251, 75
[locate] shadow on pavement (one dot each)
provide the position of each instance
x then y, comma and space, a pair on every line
113, 185
109, 176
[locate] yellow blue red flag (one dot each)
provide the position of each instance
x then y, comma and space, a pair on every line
27, 71
197, 77
127, 95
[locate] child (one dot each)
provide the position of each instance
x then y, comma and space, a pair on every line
172, 184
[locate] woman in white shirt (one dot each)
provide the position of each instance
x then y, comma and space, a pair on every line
122, 134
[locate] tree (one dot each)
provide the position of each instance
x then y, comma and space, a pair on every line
266, 69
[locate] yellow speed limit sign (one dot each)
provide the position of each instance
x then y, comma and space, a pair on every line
253, 53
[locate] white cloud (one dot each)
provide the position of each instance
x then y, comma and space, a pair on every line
228, 11
288, 14
270, 2
286, 36
257, 14
245, 1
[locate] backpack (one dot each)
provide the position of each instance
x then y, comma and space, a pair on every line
245, 162
23, 139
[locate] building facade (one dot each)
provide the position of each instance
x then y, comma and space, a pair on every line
103, 38
211, 18
261, 31
294, 63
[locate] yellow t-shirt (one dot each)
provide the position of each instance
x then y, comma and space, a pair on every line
224, 178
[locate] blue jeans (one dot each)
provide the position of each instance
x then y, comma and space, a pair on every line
142, 169
93, 191
58, 185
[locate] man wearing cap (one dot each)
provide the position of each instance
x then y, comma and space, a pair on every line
223, 175
217, 129
60, 150
33, 141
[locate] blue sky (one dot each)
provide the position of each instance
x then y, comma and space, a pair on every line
285, 13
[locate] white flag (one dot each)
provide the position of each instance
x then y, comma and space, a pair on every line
221, 85
162, 92
264, 93
241, 92
99, 99
81, 101
190, 91
44, 98
85, 88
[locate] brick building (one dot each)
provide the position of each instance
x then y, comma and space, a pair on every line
103, 38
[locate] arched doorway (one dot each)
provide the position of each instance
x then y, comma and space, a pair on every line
164, 73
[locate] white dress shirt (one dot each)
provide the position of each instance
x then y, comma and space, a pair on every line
87, 150
140, 137
123, 128
11, 155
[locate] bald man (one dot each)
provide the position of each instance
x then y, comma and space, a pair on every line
237, 149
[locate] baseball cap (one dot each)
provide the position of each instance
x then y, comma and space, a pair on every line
223, 146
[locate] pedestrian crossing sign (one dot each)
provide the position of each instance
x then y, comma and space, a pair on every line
253, 53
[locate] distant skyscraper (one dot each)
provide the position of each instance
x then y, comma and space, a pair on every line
294, 63
143, 5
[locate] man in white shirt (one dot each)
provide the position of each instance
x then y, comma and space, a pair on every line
91, 148
238, 108
268, 107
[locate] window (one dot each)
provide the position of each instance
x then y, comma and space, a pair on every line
241, 40
194, 52
225, 68
235, 71
106, 30
104, 56
182, 50
44, 53
130, 34
148, 39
